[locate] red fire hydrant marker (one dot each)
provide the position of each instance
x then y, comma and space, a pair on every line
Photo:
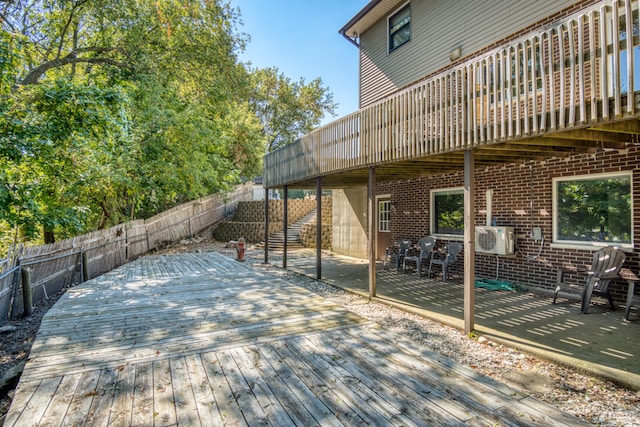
240, 249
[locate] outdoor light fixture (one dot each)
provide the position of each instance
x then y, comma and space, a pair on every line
455, 54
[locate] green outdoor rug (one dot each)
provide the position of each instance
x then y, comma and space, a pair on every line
498, 285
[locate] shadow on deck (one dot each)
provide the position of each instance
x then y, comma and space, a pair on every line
600, 342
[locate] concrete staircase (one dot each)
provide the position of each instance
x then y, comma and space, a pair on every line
276, 240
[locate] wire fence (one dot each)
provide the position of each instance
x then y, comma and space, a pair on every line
30, 274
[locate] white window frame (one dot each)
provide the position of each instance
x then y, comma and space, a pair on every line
391, 15
432, 211
573, 244
387, 221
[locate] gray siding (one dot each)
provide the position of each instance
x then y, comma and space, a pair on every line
438, 27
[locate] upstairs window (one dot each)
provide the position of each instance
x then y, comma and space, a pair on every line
400, 27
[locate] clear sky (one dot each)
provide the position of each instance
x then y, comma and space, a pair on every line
300, 38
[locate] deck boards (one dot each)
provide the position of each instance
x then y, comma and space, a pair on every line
199, 339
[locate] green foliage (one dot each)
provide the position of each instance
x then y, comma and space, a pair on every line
60, 142
119, 109
301, 194
288, 109
449, 209
596, 210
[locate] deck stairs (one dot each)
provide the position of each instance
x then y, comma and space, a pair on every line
276, 240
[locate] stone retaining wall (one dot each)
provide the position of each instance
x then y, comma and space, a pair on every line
253, 232
308, 232
248, 221
253, 211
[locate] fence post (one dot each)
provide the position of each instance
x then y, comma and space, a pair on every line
14, 287
85, 267
80, 267
27, 299
119, 249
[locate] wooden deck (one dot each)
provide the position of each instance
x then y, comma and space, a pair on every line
199, 339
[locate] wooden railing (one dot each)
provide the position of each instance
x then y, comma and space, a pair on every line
576, 71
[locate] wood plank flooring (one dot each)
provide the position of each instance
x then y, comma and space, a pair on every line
201, 340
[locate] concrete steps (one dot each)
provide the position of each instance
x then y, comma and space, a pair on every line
276, 240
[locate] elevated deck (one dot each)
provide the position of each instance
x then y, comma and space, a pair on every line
569, 87
199, 339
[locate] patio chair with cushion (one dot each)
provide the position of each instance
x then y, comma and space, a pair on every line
426, 246
445, 258
396, 253
605, 267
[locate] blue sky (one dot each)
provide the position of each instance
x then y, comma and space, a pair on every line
300, 38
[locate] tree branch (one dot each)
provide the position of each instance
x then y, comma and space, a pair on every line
72, 13
72, 58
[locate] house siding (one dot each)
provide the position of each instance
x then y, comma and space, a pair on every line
440, 26
514, 187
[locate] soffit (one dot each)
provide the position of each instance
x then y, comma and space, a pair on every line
369, 15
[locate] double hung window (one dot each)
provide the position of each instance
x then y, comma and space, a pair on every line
400, 27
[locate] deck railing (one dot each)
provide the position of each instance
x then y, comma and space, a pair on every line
574, 72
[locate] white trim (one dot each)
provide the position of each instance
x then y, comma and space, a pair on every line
432, 210
573, 244
626, 247
377, 219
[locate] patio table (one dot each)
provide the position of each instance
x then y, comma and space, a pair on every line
632, 298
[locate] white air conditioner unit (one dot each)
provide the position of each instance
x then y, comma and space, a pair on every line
495, 240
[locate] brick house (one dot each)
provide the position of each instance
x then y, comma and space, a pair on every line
519, 114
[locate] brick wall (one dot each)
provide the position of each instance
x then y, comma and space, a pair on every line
514, 186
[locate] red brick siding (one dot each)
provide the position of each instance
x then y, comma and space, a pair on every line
512, 195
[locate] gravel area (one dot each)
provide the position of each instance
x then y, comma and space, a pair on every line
593, 400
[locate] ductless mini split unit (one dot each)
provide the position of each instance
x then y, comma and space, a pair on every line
495, 240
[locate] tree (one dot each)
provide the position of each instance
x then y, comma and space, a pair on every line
60, 141
288, 109
113, 109
117, 109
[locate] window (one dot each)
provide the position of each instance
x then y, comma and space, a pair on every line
447, 212
384, 215
593, 209
400, 28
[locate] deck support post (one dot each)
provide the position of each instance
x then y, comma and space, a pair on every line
319, 228
285, 220
372, 232
266, 225
469, 241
